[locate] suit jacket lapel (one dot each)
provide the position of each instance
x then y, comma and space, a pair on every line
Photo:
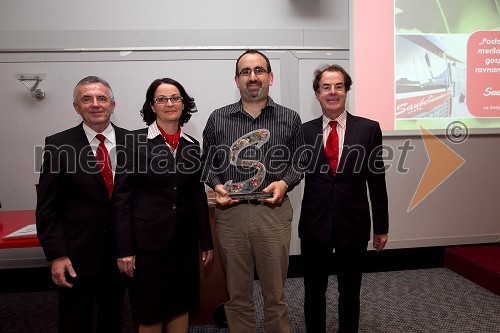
318, 134
350, 138
351, 130
120, 136
157, 141
79, 138
161, 149
86, 156
178, 154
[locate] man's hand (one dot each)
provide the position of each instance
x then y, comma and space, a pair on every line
58, 268
379, 241
221, 196
126, 265
206, 257
278, 189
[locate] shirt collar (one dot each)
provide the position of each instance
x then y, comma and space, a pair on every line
109, 133
153, 132
341, 120
239, 106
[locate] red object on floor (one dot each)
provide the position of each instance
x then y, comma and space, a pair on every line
480, 264
13, 220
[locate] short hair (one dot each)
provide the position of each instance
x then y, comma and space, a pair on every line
331, 68
147, 112
254, 52
91, 80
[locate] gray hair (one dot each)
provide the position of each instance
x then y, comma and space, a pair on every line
91, 80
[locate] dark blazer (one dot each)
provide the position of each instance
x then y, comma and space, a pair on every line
338, 205
159, 193
74, 213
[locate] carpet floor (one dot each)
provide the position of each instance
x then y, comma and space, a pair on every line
409, 301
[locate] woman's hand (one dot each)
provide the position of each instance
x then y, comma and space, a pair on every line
126, 265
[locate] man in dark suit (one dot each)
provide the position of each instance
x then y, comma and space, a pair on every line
74, 212
344, 156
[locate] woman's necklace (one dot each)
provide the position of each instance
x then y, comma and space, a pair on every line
171, 139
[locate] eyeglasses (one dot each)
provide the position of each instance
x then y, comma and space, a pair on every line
164, 100
248, 71
328, 87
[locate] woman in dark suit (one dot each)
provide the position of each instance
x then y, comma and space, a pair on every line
162, 213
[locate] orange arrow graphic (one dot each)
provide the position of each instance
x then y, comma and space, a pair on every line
443, 162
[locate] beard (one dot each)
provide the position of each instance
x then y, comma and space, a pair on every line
253, 93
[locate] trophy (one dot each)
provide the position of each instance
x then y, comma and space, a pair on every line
245, 190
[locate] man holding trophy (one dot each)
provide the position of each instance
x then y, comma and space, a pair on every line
250, 151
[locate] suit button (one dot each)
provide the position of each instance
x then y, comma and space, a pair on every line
174, 206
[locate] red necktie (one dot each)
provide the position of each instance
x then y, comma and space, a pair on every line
332, 147
104, 163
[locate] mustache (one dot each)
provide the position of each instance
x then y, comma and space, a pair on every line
254, 82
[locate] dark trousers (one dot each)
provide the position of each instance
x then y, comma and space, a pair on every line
349, 267
104, 293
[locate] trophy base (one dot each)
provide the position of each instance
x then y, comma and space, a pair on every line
250, 196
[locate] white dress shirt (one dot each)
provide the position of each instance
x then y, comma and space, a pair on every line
341, 127
110, 142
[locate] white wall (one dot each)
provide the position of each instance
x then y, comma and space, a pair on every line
172, 14
35, 37
176, 23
